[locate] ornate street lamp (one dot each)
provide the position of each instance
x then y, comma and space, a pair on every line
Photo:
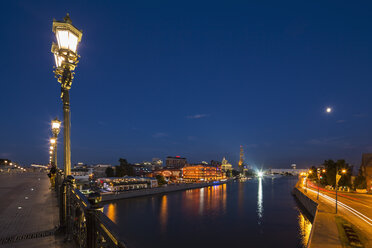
56, 124
66, 59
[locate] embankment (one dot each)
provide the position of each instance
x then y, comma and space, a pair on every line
310, 205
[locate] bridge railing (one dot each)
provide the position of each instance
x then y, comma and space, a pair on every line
82, 218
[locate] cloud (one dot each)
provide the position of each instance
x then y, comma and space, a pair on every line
340, 121
5, 154
334, 141
159, 135
360, 115
197, 116
191, 138
321, 141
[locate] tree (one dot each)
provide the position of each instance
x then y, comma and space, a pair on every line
160, 179
119, 171
360, 181
109, 172
333, 167
313, 175
124, 169
123, 161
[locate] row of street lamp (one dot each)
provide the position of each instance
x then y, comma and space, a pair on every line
66, 60
56, 125
338, 177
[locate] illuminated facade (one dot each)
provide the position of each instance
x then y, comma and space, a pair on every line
202, 173
170, 175
225, 165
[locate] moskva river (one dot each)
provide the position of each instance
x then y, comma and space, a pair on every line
254, 213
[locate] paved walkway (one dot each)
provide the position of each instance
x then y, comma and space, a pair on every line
28, 206
363, 228
325, 232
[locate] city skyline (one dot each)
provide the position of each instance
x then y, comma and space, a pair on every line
195, 80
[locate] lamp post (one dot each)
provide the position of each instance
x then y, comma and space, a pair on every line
53, 142
338, 177
307, 176
66, 59
319, 176
56, 124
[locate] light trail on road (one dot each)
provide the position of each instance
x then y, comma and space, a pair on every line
352, 210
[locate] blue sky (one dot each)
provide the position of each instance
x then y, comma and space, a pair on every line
192, 78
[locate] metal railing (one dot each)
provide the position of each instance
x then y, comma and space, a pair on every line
82, 219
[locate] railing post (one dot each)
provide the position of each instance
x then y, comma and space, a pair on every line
63, 205
70, 183
94, 199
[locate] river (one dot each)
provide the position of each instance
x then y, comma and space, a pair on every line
255, 213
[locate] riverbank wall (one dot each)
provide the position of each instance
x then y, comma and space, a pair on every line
155, 191
310, 205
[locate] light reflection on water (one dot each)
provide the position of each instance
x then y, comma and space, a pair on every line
111, 211
240, 209
163, 215
305, 228
259, 202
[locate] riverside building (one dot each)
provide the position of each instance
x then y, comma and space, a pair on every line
202, 173
225, 165
175, 162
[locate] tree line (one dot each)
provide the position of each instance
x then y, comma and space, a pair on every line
123, 169
329, 169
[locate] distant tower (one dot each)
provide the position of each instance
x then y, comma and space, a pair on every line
241, 159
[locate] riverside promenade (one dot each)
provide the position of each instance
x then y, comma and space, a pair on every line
328, 229
324, 232
28, 211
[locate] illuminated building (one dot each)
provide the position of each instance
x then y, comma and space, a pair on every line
82, 174
225, 165
201, 172
142, 169
172, 175
157, 162
116, 184
175, 162
99, 170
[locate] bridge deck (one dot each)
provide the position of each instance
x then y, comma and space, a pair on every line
28, 211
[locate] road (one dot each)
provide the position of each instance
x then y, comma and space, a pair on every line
354, 207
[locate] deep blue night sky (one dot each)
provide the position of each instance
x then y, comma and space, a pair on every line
196, 79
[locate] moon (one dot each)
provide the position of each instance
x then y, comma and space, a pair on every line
328, 110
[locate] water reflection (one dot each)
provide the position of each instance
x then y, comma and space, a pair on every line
201, 201
111, 212
163, 215
241, 198
209, 201
211, 217
259, 201
305, 228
